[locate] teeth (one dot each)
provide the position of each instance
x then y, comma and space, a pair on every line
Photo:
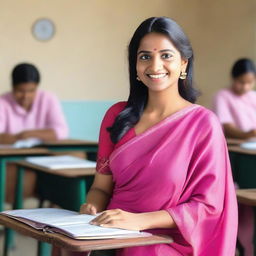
157, 76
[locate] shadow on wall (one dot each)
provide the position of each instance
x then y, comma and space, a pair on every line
84, 118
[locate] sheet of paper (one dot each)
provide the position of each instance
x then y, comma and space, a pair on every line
61, 162
249, 145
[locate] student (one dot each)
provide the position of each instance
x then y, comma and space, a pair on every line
235, 106
27, 112
163, 165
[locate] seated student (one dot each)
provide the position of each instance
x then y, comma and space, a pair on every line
27, 112
236, 105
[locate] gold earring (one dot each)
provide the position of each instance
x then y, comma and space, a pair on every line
138, 78
183, 75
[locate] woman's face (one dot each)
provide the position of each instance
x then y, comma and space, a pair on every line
159, 63
24, 94
244, 83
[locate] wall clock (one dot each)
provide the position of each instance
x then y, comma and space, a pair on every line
43, 29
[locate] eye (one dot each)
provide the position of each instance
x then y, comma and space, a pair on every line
144, 57
167, 56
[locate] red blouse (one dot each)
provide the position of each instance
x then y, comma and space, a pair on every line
106, 146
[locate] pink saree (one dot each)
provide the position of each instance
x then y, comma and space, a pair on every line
180, 165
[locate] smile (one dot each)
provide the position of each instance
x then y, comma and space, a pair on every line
157, 76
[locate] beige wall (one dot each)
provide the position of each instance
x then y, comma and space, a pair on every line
87, 57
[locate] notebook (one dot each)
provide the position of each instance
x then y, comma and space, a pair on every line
61, 162
69, 223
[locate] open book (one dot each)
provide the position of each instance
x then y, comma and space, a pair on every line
61, 162
68, 223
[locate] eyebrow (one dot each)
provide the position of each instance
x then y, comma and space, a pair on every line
164, 50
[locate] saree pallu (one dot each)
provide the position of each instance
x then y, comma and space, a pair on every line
180, 165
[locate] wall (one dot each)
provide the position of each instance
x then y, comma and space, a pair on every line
87, 57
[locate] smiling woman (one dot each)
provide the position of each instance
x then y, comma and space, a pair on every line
162, 163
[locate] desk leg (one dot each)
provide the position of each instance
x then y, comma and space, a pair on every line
9, 235
44, 249
2, 183
18, 201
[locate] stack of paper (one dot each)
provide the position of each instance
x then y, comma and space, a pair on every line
61, 162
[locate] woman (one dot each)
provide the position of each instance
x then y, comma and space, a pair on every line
235, 106
27, 112
163, 165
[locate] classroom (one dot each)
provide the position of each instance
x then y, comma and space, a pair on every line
134, 119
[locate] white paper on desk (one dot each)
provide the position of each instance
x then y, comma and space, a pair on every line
249, 145
61, 162
28, 143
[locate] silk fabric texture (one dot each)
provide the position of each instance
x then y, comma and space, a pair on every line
180, 165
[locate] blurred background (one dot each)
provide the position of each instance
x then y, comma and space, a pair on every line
86, 59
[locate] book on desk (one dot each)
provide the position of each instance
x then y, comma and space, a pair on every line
68, 223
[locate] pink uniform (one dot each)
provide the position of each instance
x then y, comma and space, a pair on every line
45, 113
235, 109
180, 165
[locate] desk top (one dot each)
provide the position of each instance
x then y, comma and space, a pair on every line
71, 173
232, 141
246, 196
70, 142
81, 245
238, 149
23, 151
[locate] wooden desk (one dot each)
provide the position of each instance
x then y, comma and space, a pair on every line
246, 196
7, 155
232, 141
238, 149
81, 245
11, 154
71, 145
72, 173
70, 183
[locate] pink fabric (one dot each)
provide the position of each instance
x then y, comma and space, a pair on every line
180, 165
235, 109
45, 113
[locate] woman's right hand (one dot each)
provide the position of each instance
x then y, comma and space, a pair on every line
88, 209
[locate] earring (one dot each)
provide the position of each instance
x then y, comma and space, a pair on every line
183, 75
138, 78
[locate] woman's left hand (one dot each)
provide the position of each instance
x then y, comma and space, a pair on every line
119, 219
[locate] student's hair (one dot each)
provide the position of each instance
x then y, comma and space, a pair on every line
243, 66
25, 73
138, 91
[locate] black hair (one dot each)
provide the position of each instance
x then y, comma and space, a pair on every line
138, 91
25, 73
243, 66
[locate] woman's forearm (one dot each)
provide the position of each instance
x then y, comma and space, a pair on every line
6, 138
158, 219
98, 198
233, 132
43, 134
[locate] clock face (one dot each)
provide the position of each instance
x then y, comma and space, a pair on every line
43, 29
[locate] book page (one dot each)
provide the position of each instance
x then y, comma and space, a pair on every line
42, 215
61, 162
